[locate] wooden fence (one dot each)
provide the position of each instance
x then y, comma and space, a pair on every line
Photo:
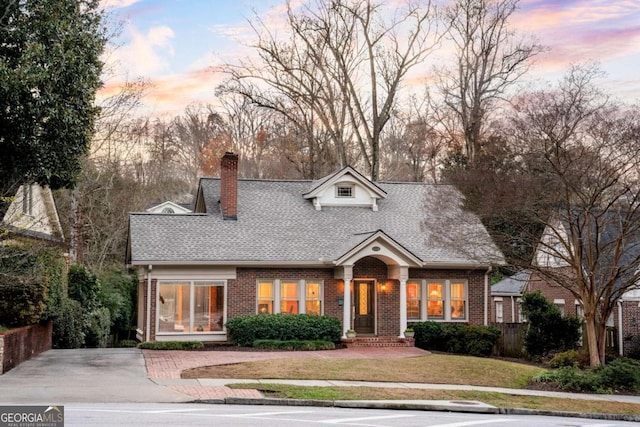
511, 341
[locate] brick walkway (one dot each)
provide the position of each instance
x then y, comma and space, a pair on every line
164, 365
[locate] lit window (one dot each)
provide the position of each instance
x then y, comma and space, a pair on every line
289, 297
413, 300
458, 301
265, 297
437, 300
344, 191
313, 301
436, 297
190, 307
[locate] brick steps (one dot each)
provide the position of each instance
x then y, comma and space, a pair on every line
376, 342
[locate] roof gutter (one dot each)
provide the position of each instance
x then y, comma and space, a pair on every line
486, 296
270, 263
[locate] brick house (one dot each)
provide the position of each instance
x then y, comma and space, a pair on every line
624, 318
370, 254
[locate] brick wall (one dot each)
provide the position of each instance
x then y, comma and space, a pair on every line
509, 309
553, 291
630, 327
20, 344
242, 298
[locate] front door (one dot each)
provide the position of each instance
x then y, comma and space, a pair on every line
364, 307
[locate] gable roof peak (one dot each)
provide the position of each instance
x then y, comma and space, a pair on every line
320, 185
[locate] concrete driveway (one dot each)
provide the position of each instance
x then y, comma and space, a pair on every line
107, 375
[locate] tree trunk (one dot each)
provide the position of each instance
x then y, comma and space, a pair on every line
592, 341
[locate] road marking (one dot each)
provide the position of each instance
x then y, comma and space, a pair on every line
266, 414
474, 423
351, 420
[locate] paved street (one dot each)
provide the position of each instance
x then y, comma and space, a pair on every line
278, 416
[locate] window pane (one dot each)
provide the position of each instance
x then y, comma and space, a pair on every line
413, 309
289, 290
413, 290
435, 306
458, 303
265, 297
314, 307
289, 297
313, 304
413, 300
208, 307
174, 303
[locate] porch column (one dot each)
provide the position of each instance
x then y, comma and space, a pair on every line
404, 276
346, 314
346, 273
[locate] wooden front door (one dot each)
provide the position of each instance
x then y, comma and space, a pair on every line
364, 306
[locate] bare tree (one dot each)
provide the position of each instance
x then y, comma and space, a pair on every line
344, 62
490, 58
587, 148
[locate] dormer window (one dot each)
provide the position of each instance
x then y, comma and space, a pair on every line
344, 191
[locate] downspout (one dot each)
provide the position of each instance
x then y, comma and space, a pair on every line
513, 310
486, 296
620, 340
148, 332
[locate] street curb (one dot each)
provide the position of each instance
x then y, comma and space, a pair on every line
403, 405
591, 415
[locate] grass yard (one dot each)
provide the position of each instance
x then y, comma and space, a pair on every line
435, 369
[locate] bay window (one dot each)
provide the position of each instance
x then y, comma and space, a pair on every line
190, 306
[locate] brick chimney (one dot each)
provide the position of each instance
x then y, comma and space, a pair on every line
229, 186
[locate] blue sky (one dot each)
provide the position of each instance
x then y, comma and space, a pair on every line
176, 44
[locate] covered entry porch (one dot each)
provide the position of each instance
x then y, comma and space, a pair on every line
372, 288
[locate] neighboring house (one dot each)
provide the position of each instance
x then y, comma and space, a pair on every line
374, 255
626, 315
506, 296
32, 214
169, 207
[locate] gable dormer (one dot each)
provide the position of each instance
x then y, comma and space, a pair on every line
346, 187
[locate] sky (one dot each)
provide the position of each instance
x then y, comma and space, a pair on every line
176, 45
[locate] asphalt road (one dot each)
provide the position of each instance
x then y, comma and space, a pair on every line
278, 416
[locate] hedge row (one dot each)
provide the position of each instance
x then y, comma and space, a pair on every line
244, 330
294, 345
456, 338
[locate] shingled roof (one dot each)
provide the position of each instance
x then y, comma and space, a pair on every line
277, 225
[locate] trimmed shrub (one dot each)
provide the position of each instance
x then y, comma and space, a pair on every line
68, 325
127, 343
244, 330
620, 374
570, 358
548, 330
456, 338
171, 345
294, 345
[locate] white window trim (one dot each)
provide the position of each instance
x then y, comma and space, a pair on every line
191, 282
302, 294
446, 285
499, 303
